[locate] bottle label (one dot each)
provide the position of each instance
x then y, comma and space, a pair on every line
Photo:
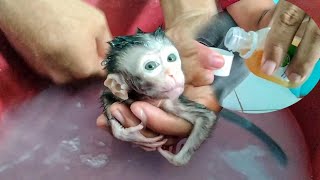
281, 72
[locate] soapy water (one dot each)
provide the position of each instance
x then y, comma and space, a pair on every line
244, 165
50, 137
27, 155
94, 161
61, 154
52, 131
71, 145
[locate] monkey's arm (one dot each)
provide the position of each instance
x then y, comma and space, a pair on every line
131, 134
203, 121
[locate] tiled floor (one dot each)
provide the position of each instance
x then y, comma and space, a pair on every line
256, 95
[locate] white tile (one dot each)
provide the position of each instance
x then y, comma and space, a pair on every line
257, 94
231, 102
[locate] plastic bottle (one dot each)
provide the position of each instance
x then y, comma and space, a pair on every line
250, 46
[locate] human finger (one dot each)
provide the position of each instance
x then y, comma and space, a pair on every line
307, 54
208, 58
160, 121
286, 22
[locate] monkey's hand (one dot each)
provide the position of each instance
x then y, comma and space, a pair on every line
177, 160
133, 134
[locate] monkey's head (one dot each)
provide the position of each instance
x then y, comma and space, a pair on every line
147, 63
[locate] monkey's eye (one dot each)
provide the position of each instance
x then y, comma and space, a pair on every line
151, 65
172, 58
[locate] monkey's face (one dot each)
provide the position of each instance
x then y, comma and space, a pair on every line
160, 73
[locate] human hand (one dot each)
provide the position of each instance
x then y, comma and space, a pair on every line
286, 22
61, 40
158, 121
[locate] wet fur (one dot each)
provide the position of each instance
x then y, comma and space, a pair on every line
202, 119
197, 114
139, 89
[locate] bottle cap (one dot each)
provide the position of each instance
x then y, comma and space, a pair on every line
238, 40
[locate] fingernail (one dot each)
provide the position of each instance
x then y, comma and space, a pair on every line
216, 61
294, 77
268, 67
116, 114
140, 115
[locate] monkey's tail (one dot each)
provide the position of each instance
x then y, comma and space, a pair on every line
258, 132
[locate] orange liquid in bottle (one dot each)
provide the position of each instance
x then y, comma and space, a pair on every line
254, 65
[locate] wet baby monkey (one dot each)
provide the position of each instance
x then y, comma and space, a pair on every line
147, 66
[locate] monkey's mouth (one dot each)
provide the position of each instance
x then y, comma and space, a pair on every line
172, 89
173, 92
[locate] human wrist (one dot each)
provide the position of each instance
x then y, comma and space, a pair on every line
4, 12
14, 11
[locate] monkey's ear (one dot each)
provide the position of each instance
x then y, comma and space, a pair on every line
117, 86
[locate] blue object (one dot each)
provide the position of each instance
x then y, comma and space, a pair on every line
310, 83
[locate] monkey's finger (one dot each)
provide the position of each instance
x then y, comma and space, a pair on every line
135, 128
152, 145
208, 58
148, 149
128, 119
135, 133
160, 121
167, 154
307, 54
286, 22
142, 139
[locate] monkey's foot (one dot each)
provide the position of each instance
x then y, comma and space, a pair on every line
151, 146
175, 159
131, 134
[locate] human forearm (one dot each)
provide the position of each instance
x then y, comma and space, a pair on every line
18, 11
250, 15
180, 11
62, 40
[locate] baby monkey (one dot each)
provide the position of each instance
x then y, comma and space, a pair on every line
147, 66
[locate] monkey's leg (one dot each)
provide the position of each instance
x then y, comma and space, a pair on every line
203, 121
131, 134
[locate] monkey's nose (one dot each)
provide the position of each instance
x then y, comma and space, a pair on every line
169, 73
171, 77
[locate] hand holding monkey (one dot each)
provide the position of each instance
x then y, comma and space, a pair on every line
147, 67
198, 62
164, 123
59, 42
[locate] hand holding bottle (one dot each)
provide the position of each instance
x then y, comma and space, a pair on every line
286, 22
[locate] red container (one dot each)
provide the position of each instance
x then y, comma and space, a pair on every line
49, 132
